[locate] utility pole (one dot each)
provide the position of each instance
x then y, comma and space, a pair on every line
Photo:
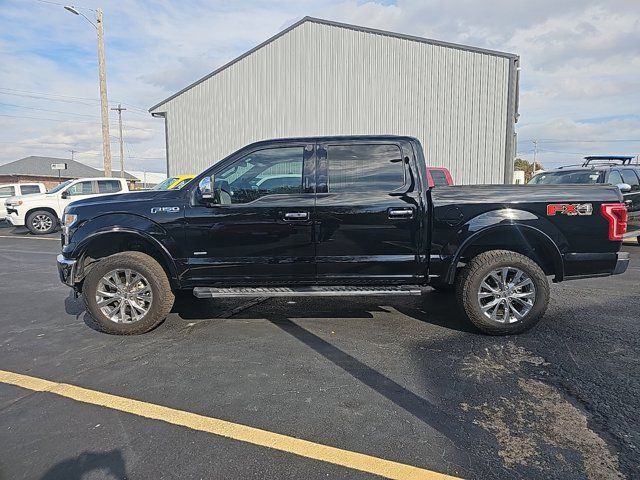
102, 77
119, 110
535, 153
72, 152
104, 105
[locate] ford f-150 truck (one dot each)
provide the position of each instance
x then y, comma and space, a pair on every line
337, 216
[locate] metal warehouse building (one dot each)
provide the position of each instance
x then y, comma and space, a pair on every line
324, 78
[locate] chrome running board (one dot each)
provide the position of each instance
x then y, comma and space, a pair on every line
314, 291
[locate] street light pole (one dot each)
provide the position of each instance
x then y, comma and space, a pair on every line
102, 76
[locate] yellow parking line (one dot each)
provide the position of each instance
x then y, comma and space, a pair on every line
21, 237
223, 428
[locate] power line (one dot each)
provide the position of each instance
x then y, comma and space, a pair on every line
60, 98
37, 97
70, 121
46, 110
48, 119
46, 94
50, 3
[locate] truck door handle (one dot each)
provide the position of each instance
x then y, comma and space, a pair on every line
400, 213
296, 216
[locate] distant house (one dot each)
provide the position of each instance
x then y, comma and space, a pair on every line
38, 169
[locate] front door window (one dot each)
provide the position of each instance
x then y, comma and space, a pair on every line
273, 171
80, 188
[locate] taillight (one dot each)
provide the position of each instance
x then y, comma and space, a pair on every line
616, 215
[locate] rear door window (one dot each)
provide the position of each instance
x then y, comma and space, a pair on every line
439, 178
615, 178
8, 191
629, 176
109, 186
29, 189
365, 168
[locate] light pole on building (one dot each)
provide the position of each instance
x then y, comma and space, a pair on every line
102, 75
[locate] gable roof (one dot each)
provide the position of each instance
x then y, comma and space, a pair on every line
340, 25
41, 166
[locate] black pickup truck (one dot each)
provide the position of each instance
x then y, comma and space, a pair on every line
337, 216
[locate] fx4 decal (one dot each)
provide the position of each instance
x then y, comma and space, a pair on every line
569, 209
165, 209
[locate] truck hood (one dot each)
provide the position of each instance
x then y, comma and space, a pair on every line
116, 198
35, 197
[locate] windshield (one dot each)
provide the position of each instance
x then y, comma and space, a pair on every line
164, 185
566, 177
59, 187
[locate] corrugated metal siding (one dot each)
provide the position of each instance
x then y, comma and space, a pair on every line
325, 80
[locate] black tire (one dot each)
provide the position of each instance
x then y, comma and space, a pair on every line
38, 221
473, 274
150, 269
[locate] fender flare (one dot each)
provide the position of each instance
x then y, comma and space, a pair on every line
169, 262
556, 254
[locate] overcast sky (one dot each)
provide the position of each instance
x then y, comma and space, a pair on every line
580, 59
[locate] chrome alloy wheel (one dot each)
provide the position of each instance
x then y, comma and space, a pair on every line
124, 295
42, 222
506, 295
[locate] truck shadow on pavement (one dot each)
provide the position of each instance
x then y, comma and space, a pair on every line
111, 464
435, 308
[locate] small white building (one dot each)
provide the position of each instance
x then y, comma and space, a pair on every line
325, 78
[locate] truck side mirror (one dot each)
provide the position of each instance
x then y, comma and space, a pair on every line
205, 186
624, 187
66, 194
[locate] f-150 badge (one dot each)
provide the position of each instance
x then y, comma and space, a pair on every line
569, 209
165, 209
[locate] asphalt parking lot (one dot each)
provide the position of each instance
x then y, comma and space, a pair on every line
403, 380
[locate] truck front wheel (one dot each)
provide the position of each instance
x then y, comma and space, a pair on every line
127, 293
503, 292
42, 222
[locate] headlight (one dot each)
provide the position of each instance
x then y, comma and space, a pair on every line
68, 219
13, 203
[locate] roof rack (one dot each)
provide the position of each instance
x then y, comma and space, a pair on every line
573, 165
607, 160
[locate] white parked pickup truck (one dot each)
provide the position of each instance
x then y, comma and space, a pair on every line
41, 213
12, 189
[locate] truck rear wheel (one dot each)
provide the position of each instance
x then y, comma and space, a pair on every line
503, 292
127, 293
42, 222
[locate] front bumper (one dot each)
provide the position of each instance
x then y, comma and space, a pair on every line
14, 219
66, 270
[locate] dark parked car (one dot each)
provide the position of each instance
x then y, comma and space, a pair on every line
360, 219
614, 170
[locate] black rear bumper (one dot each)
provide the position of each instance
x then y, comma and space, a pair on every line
621, 263
587, 265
